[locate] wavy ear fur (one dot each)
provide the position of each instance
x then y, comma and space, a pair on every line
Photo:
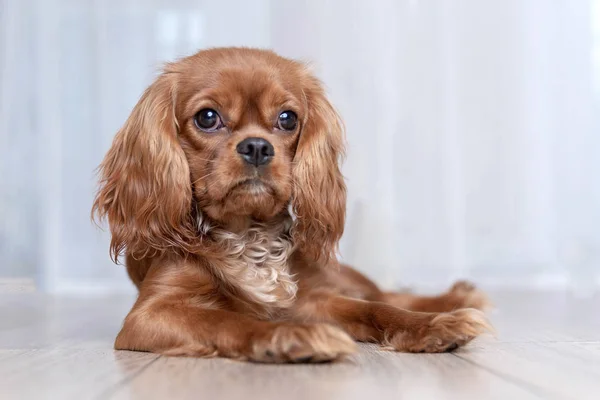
145, 190
319, 200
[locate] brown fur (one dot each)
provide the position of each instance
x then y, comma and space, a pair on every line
230, 267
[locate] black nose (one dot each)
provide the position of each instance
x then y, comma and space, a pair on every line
256, 151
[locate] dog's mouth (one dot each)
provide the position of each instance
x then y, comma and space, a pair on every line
253, 186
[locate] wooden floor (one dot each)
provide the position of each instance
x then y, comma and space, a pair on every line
547, 346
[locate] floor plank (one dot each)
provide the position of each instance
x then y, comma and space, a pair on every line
547, 346
37, 321
372, 373
552, 370
68, 373
545, 317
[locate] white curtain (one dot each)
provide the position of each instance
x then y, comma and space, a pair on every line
473, 128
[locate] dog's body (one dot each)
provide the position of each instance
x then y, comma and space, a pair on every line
223, 189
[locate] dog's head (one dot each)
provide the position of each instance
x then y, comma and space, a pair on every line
237, 134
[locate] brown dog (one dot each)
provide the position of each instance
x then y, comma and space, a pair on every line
224, 192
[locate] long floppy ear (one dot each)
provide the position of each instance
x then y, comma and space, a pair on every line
319, 199
145, 189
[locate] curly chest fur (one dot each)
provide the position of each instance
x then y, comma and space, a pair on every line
255, 265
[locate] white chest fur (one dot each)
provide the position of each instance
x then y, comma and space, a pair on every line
255, 262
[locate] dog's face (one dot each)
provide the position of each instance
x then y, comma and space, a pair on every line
235, 134
240, 120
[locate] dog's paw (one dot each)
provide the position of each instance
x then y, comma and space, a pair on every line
302, 343
464, 294
437, 333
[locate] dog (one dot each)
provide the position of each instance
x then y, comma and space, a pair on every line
223, 192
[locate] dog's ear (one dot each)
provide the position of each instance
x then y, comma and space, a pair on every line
145, 191
319, 199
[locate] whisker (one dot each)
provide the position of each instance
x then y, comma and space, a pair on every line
211, 185
203, 177
205, 159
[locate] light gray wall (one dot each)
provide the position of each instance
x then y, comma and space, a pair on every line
473, 127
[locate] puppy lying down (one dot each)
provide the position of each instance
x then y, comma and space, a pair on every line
224, 194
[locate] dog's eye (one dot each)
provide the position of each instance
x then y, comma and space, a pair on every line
287, 121
208, 120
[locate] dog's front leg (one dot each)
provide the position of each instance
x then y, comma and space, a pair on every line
399, 329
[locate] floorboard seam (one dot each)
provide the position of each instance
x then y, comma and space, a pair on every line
533, 389
115, 387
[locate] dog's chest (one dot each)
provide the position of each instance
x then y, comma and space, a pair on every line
256, 264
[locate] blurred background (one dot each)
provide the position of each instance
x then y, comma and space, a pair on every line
473, 129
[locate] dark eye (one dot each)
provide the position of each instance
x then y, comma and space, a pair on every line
208, 120
287, 121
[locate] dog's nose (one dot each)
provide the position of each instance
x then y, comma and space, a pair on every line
255, 151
